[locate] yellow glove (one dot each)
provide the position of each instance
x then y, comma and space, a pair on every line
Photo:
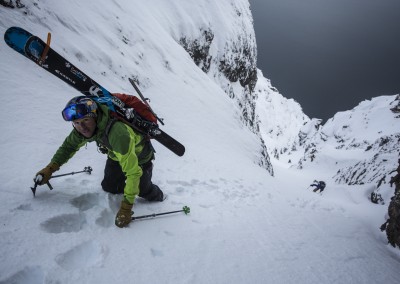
124, 215
46, 173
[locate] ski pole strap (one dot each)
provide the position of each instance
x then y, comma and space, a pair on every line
46, 49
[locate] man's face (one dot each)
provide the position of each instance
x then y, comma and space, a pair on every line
85, 126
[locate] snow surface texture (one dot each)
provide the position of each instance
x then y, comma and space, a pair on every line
245, 226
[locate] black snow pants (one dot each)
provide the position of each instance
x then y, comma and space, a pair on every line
114, 181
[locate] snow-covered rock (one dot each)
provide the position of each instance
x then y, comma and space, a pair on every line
367, 137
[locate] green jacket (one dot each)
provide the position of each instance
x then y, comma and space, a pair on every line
125, 146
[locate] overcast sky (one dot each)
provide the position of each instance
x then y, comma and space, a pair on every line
329, 55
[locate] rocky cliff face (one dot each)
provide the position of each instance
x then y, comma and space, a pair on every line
227, 53
217, 35
230, 46
281, 120
362, 145
223, 45
375, 168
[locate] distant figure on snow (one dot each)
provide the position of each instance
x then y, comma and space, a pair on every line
318, 185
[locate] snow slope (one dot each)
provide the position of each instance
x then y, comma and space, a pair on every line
245, 226
281, 119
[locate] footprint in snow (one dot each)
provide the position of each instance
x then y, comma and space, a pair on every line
168, 233
114, 201
28, 275
81, 182
106, 219
65, 223
70, 180
156, 252
86, 201
179, 190
23, 207
206, 206
175, 182
87, 254
84, 182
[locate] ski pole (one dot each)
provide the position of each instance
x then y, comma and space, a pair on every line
145, 100
87, 169
185, 210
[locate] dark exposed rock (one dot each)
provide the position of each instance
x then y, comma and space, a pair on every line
199, 49
265, 161
396, 107
240, 63
371, 170
10, 4
392, 225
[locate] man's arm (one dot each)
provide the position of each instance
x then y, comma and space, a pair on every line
123, 142
69, 147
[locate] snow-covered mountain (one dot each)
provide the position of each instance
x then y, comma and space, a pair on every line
363, 142
280, 119
251, 155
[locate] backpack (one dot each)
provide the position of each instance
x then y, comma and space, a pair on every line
146, 116
140, 107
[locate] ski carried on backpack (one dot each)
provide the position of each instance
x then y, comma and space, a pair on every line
42, 54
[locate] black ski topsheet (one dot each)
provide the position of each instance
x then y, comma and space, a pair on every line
33, 47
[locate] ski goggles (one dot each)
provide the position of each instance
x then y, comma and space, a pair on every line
77, 111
